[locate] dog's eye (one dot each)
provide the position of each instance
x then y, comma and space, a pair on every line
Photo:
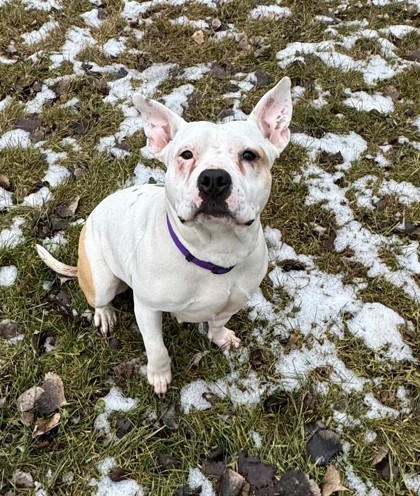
187, 155
249, 156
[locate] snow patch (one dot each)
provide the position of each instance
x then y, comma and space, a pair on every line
8, 275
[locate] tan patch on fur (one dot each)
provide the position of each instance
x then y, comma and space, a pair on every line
84, 271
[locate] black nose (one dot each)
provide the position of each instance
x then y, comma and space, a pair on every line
214, 182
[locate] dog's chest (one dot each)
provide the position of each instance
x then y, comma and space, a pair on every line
211, 301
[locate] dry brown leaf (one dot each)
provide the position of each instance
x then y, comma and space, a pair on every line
42, 426
27, 400
332, 482
380, 455
198, 37
53, 395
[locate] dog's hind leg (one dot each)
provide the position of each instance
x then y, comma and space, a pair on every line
98, 283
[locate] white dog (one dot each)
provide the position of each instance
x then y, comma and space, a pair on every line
194, 248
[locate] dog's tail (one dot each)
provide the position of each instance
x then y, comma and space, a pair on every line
54, 264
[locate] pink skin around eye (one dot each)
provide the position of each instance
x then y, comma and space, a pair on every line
186, 166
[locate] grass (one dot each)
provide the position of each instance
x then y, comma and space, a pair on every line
86, 362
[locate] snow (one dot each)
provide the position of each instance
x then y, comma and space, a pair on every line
8, 275
52, 244
114, 401
256, 437
106, 487
197, 480
271, 12
45, 5
41, 34
377, 410
177, 99
362, 101
358, 486
35, 105
378, 326
412, 483
76, 40
114, 47
5, 102
39, 198
6, 199
91, 18
13, 236
17, 138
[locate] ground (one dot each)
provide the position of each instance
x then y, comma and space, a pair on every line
331, 337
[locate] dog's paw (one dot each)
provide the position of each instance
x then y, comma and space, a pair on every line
159, 379
225, 339
105, 318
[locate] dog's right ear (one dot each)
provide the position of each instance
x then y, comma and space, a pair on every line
160, 123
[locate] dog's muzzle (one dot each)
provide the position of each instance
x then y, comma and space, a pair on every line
214, 187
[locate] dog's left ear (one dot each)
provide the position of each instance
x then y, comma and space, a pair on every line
273, 113
160, 123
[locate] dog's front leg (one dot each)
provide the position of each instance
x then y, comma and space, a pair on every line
158, 361
221, 335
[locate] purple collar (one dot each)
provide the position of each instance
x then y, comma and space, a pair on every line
214, 269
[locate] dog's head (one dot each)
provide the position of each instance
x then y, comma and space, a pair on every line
219, 172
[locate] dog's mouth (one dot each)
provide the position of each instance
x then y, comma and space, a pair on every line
216, 213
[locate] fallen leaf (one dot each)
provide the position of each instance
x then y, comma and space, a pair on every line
121, 73
62, 86
68, 209
383, 465
114, 343
81, 127
27, 400
42, 426
42, 341
323, 444
328, 243
10, 330
410, 229
28, 124
332, 482
230, 483
37, 87
22, 479
414, 56
289, 265
118, 474
196, 359
242, 42
124, 426
393, 93
262, 51
169, 418
123, 145
166, 462
52, 397
198, 37
382, 203
276, 402
102, 13
296, 483
263, 78
124, 371
256, 359
331, 159
257, 473
5, 182
216, 461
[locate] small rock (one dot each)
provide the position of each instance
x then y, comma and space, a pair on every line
392, 92
216, 24
198, 37
115, 344
5, 182
37, 87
